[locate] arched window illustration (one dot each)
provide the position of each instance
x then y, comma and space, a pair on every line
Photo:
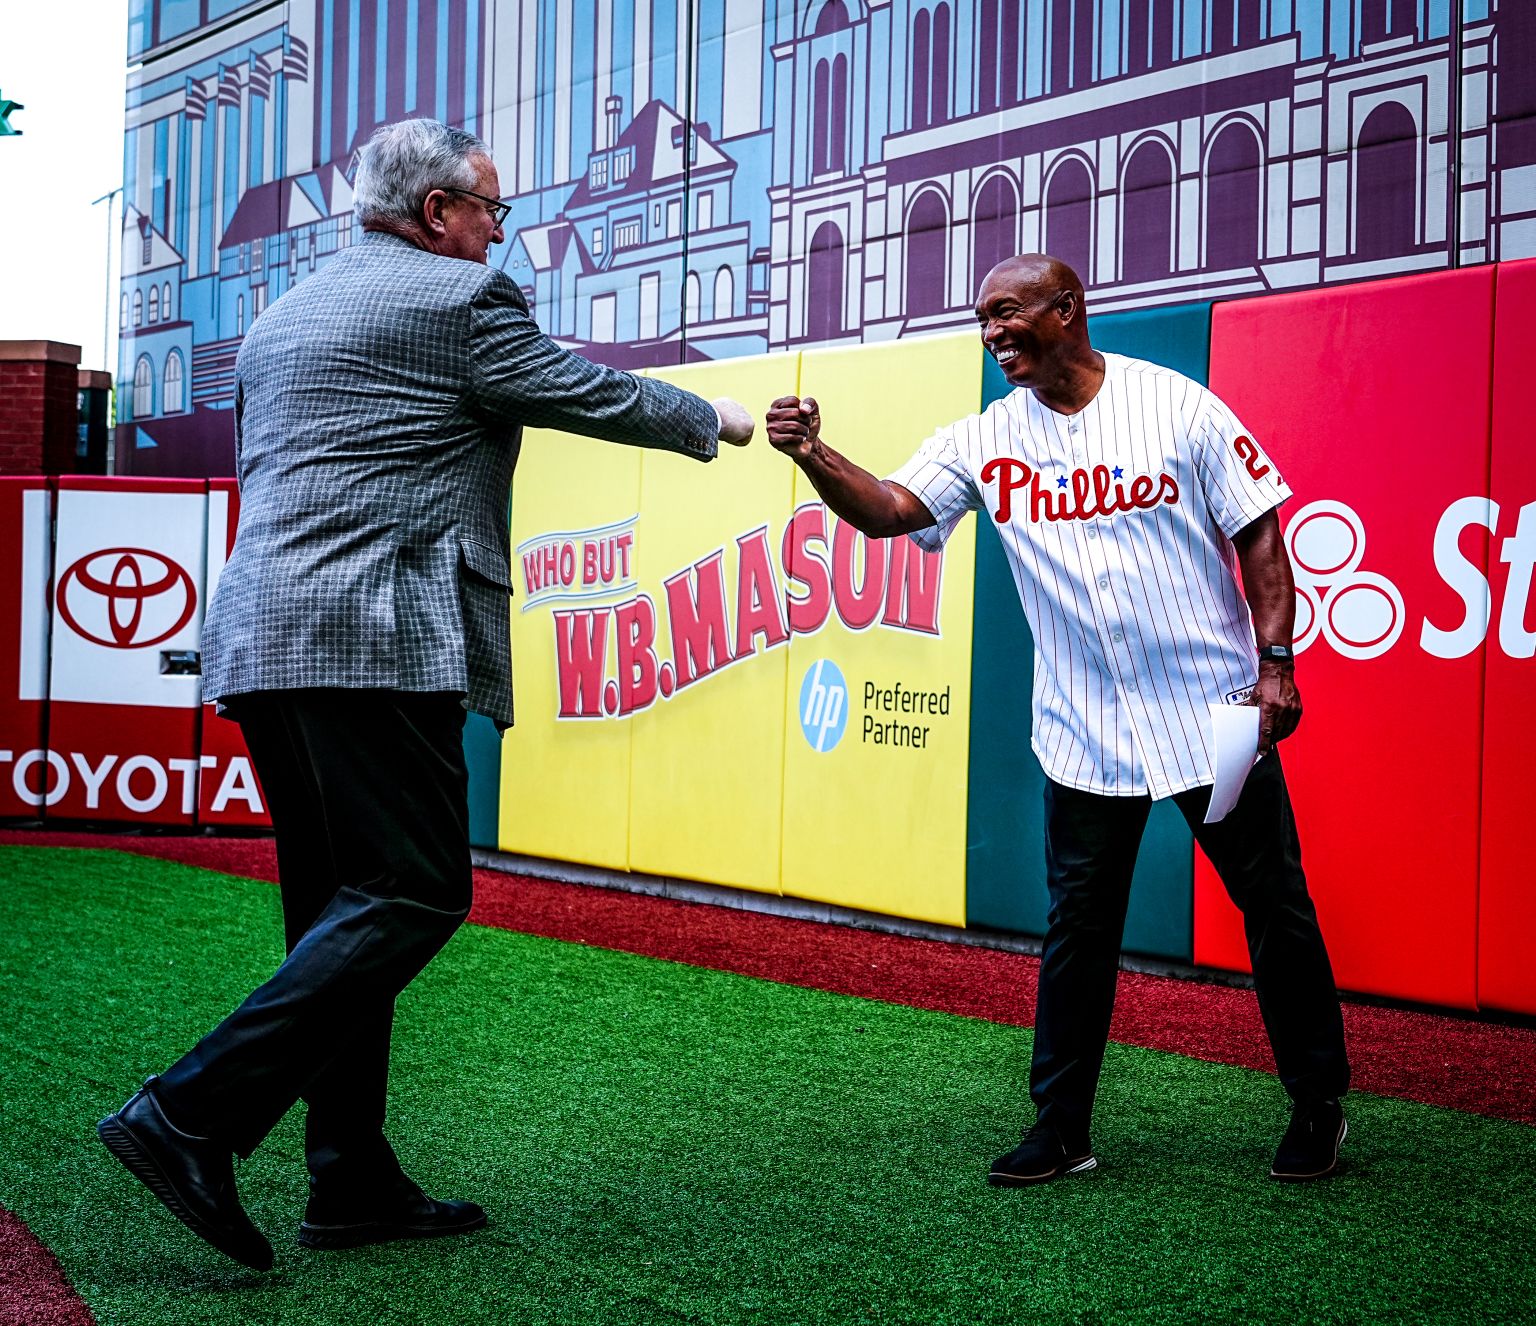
824, 284
927, 246
1386, 182
930, 66
1069, 216
833, 18
1380, 19
994, 228
922, 76
725, 293
138, 308
1146, 215
940, 102
172, 397
829, 116
1234, 24
691, 298
1149, 34
1232, 217
143, 388
154, 303
165, 302
122, 312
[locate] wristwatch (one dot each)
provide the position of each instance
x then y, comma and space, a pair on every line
1277, 654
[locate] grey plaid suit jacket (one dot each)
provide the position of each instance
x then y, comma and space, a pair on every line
379, 407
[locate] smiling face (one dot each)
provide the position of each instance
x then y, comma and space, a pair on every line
1030, 311
468, 229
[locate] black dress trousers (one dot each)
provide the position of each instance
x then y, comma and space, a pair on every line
1091, 845
368, 795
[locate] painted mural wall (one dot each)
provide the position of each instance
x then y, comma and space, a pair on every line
701, 179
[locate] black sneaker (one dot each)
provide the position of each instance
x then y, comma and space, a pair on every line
1039, 1158
1310, 1148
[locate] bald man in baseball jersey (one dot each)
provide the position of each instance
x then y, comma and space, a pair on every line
1121, 491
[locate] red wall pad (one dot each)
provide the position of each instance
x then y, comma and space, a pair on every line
128, 620
26, 518
1374, 402
1506, 954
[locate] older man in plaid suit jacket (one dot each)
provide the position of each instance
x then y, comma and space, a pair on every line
379, 409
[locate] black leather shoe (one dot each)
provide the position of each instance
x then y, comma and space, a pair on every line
1310, 1148
403, 1212
193, 1176
1040, 1157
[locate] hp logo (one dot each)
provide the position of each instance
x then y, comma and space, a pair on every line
823, 705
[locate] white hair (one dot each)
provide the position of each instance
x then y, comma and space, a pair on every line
402, 163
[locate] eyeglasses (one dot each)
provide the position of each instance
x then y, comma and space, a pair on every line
495, 207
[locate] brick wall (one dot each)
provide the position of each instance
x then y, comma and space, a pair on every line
39, 412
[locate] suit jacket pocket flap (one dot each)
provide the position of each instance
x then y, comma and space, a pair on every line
486, 563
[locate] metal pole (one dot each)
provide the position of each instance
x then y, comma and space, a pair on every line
106, 323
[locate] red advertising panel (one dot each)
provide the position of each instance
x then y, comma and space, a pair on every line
1374, 401
1506, 971
26, 519
127, 622
229, 792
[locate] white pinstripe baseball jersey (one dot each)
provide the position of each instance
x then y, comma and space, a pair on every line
1117, 523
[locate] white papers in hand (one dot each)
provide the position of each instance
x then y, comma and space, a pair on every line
1236, 728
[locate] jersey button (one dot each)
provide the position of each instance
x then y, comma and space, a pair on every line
1103, 582
1116, 636
1092, 533
1130, 687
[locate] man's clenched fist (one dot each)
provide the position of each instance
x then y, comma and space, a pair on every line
794, 425
736, 425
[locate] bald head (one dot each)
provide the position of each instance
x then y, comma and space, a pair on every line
1034, 275
1033, 322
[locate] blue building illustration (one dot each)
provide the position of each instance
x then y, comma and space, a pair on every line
706, 178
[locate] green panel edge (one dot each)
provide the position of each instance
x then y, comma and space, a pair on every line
1005, 816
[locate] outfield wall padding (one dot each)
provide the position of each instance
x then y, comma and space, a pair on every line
1374, 402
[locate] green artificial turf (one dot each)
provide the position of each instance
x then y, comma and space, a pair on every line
658, 1143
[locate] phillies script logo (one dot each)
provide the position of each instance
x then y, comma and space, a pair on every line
1081, 495
126, 598
890, 583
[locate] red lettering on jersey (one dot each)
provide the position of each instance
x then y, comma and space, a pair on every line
1016, 475
1248, 452
1087, 494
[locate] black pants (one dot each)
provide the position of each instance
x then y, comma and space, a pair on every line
368, 795
1091, 844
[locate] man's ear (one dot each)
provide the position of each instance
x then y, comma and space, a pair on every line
432, 212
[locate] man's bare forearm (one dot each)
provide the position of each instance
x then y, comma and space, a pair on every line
874, 506
1267, 580
852, 493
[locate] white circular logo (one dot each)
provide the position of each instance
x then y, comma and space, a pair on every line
1359, 613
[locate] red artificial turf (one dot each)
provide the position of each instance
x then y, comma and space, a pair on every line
33, 1290
1480, 1067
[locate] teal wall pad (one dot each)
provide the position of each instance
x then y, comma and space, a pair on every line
1005, 846
482, 756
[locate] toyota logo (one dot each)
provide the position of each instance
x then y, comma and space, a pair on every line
126, 598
